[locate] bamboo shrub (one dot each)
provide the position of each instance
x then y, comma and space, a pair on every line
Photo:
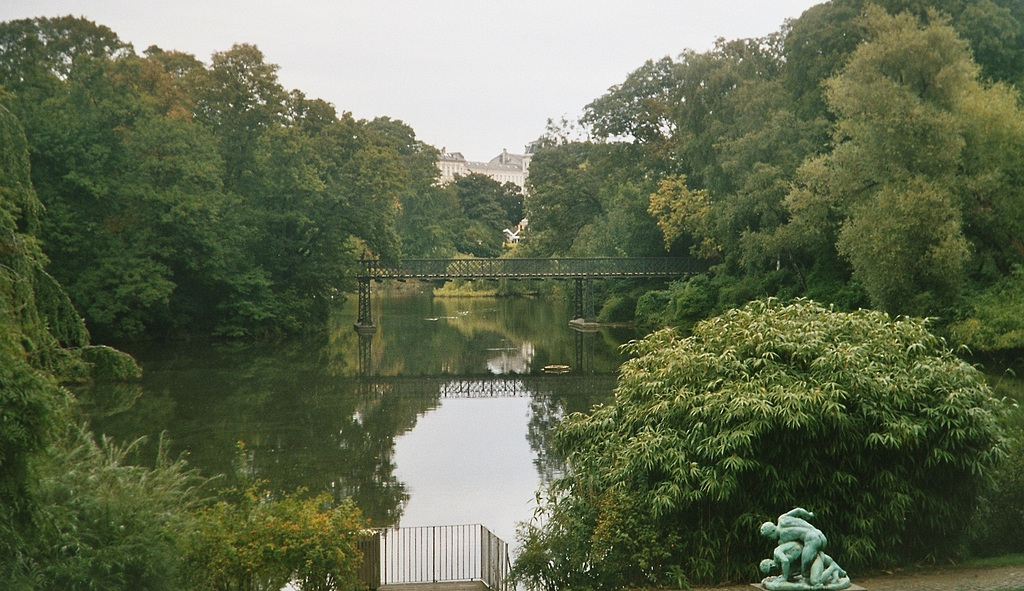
870, 422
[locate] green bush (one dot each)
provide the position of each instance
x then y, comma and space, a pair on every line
682, 305
871, 423
993, 320
1000, 520
106, 524
618, 308
253, 540
651, 309
109, 364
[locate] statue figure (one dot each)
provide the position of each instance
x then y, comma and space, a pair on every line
794, 527
799, 540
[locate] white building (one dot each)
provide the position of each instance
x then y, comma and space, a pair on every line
503, 168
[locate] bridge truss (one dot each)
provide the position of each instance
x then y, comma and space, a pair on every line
582, 270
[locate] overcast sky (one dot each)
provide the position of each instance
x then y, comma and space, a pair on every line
475, 76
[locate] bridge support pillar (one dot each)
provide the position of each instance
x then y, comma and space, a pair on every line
364, 324
584, 300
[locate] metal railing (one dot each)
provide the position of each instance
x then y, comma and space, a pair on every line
529, 268
443, 554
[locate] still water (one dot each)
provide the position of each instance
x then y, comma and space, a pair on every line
444, 417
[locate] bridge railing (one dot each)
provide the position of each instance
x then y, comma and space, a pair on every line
528, 268
502, 386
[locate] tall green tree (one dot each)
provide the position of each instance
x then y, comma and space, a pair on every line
482, 203
587, 199
819, 43
42, 340
31, 403
239, 97
185, 198
914, 193
424, 222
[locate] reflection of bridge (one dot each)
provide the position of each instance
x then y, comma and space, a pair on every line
488, 386
582, 270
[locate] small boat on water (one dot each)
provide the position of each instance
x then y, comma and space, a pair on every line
556, 369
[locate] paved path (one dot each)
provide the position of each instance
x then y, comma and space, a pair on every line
999, 578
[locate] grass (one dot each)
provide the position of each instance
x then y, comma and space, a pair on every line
1005, 560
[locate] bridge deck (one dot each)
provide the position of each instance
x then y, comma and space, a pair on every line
528, 268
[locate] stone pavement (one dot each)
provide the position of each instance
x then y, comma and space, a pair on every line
996, 578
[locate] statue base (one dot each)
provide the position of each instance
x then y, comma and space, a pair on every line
850, 587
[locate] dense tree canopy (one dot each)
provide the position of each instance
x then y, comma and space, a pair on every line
916, 192
182, 197
869, 154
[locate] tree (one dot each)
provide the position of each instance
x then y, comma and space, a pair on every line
912, 179
680, 211
821, 41
483, 201
239, 97
42, 341
872, 423
31, 403
186, 199
427, 224
563, 197
426, 217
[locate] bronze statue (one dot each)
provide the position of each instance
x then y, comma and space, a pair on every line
800, 541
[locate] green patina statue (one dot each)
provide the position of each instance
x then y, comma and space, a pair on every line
799, 541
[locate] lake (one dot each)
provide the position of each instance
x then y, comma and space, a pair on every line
443, 417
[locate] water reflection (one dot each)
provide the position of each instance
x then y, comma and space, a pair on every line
325, 413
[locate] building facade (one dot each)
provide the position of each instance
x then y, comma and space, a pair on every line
503, 168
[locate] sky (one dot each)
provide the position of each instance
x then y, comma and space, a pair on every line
471, 76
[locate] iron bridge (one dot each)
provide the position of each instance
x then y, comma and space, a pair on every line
582, 270
489, 386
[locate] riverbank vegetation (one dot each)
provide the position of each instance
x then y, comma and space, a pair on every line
78, 511
866, 157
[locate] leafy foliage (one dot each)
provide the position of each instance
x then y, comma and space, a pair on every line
252, 540
487, 207
186, 199
872, 423
910, 166
993, 322
108, 523
73, 514
36, 323
866, 154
